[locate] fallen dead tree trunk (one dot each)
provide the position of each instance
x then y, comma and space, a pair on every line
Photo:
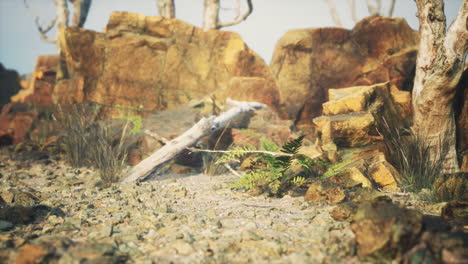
204, 127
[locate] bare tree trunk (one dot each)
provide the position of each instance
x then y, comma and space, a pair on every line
334, 13
352, 4
62, 15
211, 15
440, 63
374, 10
203, 128
166, 8
80, 12
391, 8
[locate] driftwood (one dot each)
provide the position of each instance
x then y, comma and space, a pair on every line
204, 127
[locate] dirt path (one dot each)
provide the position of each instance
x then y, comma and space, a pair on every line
170, 219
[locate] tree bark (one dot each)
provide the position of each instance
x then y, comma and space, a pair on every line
439, 66
352, 5
374, 10
80, 12
391, 8
334, 13
204, 127
211, 15
62, 15
166, 8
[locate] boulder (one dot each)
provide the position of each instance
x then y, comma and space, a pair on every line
384, 230
456, 211
152, 64
332, 193
9, 85
352, 115
384, 175
450, 187
347, 130
15, 123
41, 85
356, 175
308, 62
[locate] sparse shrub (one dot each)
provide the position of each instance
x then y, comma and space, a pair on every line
76, 120
88, 143
106, 153
417, 162
43, 136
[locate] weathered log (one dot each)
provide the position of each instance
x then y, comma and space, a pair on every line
204, 127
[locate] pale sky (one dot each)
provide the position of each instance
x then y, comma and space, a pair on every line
20, 42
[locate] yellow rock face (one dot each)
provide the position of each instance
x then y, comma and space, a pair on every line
352, 99
309, 62
348, 130
156, 64
384, 174
356, 175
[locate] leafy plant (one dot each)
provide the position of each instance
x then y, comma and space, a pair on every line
270, 173
137, 122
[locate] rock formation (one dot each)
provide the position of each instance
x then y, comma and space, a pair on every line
308, 62
9, 85
153, 63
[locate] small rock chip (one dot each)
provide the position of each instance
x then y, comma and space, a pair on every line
5, 225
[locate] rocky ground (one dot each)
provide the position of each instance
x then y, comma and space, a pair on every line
59, 214
52, 213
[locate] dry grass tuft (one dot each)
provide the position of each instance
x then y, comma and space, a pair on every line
88, 143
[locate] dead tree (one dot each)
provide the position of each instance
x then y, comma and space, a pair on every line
204, 127
166, 8
334, 13
61, 20
439, 66
373, 6
211, 15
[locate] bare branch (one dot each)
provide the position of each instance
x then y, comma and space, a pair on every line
238, 9
456, 42
391, 8
243, 151
203, 128
352, 4
239, 19
166, 8
334, 13
80, 12
373, 10
42, 32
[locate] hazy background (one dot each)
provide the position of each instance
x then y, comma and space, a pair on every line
20, 42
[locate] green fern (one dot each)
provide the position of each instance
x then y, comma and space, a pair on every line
271, 171
335, 169
235, 153
256, 178
269, 145
298, 180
